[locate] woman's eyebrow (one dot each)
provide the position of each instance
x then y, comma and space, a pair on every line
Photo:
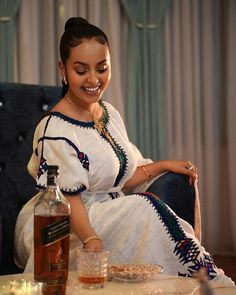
84, 64
101, 62
80, 62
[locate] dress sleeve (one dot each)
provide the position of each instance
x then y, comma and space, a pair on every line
59, 150
140, 159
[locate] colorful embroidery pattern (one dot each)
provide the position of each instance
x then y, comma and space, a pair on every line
123, 164
83, 158
206, 262
186, 249
168, 218
73, 192
43, 167
66, 192
122, 157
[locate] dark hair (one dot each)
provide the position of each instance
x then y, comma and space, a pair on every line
77, 29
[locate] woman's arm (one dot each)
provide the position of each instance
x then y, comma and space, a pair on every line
149, 171
80, 223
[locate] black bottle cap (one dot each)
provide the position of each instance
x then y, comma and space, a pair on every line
53, 170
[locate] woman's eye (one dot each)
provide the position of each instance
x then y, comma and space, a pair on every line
102, 70
81, 72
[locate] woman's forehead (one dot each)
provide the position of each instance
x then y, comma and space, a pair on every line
90, 49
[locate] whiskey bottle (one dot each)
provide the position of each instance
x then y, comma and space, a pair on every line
51, 236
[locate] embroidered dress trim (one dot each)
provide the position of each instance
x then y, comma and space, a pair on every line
117, 148
65, 192
105, 118
186, 249
122, 157
83, 158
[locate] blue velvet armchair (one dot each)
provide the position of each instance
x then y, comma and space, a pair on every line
21, 107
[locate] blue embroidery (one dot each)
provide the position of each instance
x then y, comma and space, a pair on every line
105, 118
186, 249
81, 156
121, 155
66, 192
113, 195
206, 262
43, 167
168, 219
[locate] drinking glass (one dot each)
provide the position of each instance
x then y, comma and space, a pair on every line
92, 268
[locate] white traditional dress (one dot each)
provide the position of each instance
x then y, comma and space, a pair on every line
137, 228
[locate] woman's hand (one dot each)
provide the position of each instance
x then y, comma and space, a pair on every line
94, 245
151, 170
181, 166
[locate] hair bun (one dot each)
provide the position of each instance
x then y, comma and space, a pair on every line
75, 21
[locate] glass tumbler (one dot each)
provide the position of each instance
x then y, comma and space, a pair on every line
92, 268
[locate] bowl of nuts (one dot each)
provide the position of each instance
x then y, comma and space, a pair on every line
133, 272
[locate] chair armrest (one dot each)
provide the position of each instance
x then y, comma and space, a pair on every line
175, 191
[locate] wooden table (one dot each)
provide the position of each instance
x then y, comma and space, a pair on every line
161, 284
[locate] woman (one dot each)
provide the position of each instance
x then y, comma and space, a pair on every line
86, 138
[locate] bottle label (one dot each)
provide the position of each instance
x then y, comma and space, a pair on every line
58, 266
55, 231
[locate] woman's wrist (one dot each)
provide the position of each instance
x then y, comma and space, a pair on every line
146, 172
154, 169
94, 237
93, 244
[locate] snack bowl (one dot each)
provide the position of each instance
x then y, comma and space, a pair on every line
133, 272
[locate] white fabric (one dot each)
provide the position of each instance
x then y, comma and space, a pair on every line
60, 151
135, 228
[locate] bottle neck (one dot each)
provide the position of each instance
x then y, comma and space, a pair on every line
52, 181
52, 187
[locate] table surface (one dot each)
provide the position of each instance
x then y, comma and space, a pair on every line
160, 284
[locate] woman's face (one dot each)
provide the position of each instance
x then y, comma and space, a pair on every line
88, 71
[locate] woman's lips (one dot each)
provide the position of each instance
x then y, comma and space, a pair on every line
92, 90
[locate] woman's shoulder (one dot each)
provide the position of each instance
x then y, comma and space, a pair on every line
112, 111
108, 105
52, 123
46, 119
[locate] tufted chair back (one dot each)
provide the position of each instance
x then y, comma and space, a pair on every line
21, 108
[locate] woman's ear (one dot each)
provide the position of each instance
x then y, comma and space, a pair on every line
62, 69
63, 73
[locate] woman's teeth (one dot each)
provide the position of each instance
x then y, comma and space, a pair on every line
91, 89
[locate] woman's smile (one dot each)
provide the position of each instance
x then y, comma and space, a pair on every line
92, 90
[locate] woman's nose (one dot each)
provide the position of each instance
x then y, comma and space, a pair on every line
93, 79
